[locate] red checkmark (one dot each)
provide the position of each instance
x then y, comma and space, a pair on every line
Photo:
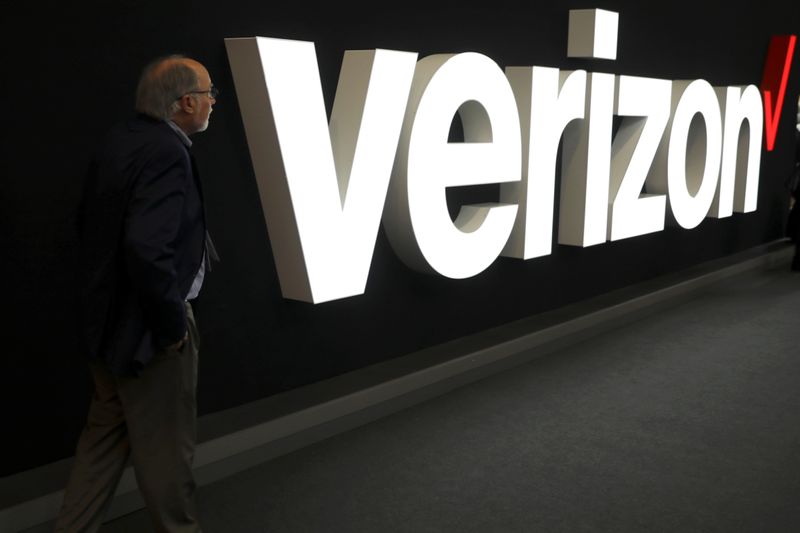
776, 74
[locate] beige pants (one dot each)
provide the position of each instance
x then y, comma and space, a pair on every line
150, 419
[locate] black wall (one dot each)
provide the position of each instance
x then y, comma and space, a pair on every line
69, 74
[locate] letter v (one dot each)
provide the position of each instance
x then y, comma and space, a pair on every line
773, 83
322, 188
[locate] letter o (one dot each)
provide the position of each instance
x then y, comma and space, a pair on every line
693, 162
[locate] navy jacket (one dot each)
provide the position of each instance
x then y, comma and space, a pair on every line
141, 242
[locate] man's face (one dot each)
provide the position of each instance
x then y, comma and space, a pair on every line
203, 99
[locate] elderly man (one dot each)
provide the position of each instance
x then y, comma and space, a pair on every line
144, 253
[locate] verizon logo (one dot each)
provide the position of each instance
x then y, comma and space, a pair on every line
684, 151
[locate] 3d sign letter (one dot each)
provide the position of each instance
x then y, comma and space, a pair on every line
585, 168
548, 100
738, 181
692, 158
416, 219
322, 188
632, 154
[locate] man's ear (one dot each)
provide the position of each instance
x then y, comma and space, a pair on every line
187, 103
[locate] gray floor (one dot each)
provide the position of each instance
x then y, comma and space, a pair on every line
688, 420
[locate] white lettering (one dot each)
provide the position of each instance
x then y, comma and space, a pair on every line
585, 168
692, 157
548, 100
416, 218
632, 154
323, 186
322, 190
738, 182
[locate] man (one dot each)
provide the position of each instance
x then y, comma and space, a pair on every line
143, 250
793, 184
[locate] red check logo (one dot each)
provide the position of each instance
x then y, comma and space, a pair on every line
773, 84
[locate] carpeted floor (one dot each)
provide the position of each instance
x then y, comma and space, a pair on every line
685, 421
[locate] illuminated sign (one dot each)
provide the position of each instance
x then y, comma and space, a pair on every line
773, 84
325, 185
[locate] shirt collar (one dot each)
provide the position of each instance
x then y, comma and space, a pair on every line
182, 134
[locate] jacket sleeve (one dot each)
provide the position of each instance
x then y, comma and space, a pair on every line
152, 223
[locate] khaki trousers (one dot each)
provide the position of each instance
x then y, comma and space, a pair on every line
151, 420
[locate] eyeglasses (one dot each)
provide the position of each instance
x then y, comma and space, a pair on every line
213, 92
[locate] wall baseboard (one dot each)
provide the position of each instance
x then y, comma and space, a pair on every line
237, 439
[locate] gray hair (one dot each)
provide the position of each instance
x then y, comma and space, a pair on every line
162, 83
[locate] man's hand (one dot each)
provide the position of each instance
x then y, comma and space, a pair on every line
178, 346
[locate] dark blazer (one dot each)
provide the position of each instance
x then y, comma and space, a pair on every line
141, 232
